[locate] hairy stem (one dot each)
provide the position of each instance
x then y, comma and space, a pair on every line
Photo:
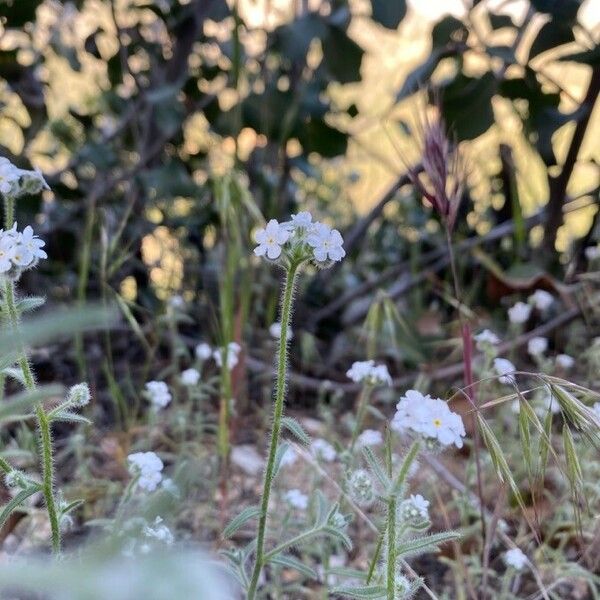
286, 311
391, 547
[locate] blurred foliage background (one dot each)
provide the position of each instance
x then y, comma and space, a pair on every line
168, 128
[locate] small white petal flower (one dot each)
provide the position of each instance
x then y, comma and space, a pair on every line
361, 487
9, 176
148, 466
327, 243
564, 361
232, 355
271, 239
158, 394
303, 220
504, 368
515, 558
519, 313
203, 351
275, 331
536, 346
415, 509
323, 450
592, 253
32, 243
296, 499
486, 338
541, 299
367, 372
7, 247
369, 437
190, 377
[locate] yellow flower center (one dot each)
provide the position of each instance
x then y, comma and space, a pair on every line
437, 422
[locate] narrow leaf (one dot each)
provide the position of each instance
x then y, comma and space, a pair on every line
428, 543
250, 512
376, 468
15, 502
296, 430
285, 560
365, 592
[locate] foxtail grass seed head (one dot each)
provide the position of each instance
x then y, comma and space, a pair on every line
323, 450
430, 418
190, 377
232, 353
203, 351
299, 240
361, 488
515, 558
79, 395
504, 368
369, 437
296, 499
368, 373
537, 346
541, 299
519, 313
157, 392
148, 466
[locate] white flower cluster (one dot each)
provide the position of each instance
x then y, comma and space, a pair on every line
536, 346
415, 510
232, 354
519, 313
19, 250
541, 299
203, 351
505, 368
564, 361
368, 372
148, 466
296, 499
430, 418
515, 558
369, 437
15, 181
485, 339
158, 394
300, 239
190, 377
275, 331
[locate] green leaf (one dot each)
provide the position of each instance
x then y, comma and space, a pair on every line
26, 400
342, 56
552, 34
15, 502
467, 105
338, 535
250, 512
574, 472
68, 417
427, 543
388, 13
30, 303
285, 560
296, 430
525, 437
365, 592
376, 468
281, 450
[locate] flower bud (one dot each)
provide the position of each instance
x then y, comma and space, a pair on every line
79, 395
361, 488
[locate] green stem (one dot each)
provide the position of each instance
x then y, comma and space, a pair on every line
391, 548
286, 311
48, 475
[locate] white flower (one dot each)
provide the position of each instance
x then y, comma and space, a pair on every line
79, 395
158, 394
515, 558
519, 313
564, 361
486, 338
367, 372
415, 508
203, 351
148, 466
275, 331
323, 450
369, 437
9, 176
159, 532
270, 239
361, 487
7, 247
232, 353
32, 182
592, 253
190, 377
537, 345
33, 243
303, 220
327, 243
504, 368
296, 499
289, 457
541, 299
430, 418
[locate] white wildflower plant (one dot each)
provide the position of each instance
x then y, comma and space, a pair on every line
158, 394
232, 353
519, 313
515, 558
541, 299
504, 369
368, 373
147, 470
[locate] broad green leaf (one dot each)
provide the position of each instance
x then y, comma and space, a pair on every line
249, 513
